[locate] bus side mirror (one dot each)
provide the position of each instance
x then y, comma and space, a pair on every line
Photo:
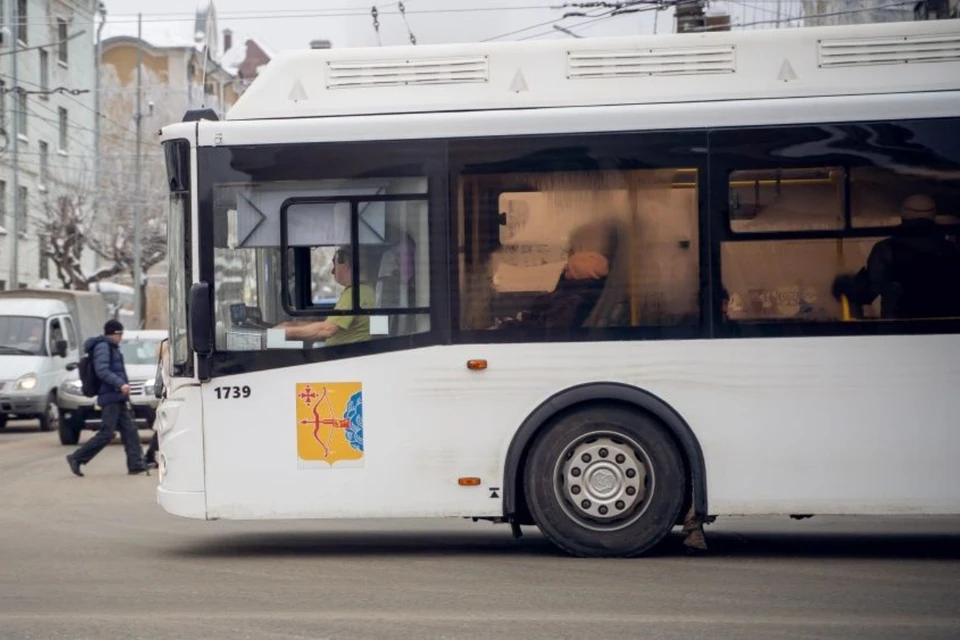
201, 319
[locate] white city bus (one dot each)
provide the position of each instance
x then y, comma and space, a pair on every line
588, 285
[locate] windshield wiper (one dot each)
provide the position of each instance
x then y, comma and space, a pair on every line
9, 349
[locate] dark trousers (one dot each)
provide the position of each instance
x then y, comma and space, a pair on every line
152, 448
115, 416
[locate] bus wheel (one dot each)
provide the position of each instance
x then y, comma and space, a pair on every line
605, 481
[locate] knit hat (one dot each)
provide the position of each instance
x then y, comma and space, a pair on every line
112, 327
918, 206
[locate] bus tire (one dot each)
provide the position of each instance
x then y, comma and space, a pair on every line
605, 482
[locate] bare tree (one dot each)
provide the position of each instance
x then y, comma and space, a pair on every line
119, 201
64, 230
74, 222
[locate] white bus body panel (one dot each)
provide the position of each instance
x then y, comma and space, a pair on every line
832, 425
800, 425
638, 117
899, 57
179, 428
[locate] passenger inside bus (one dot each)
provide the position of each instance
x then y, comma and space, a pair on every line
916, 275
591, 286
336, 330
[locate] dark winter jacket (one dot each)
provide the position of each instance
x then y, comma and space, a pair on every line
108, 363
912, 274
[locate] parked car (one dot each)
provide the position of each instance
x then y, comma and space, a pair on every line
41, 334
141, 352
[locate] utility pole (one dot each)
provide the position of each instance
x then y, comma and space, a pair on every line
138, 199
102, 10
15, 232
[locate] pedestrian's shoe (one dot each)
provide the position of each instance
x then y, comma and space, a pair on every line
136, 472
151, 465
74, 465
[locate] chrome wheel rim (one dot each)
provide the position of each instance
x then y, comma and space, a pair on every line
604, 481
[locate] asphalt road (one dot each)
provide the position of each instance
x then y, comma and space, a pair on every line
95, 557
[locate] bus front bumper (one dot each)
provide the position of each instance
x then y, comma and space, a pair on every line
186, 504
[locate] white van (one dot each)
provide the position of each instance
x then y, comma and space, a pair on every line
41, 333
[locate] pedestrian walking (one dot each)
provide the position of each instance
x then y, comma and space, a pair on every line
113, 397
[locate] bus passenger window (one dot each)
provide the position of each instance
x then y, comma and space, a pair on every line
907, 266
786, 200
554, 252
787, 280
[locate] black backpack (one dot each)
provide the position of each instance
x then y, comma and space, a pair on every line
90, 383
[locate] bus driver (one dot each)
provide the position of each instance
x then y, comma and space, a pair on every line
335, 330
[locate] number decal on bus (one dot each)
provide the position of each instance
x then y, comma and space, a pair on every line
235, 393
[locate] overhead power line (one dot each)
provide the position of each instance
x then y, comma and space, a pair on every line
69, 96
55, 43
48, 92
342, 12
403, 14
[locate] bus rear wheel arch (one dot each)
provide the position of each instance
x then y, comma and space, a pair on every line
604, 481
599, 395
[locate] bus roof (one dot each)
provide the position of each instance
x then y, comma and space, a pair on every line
693, 67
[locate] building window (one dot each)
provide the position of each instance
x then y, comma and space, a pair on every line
44, 266
24, 211
22, 21
44, 73
64, 140
3, 204
21, 113
44, 163
62, 40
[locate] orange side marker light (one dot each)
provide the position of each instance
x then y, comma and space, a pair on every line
476, 365
469, 482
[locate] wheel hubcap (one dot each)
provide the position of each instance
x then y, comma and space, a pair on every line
602, 481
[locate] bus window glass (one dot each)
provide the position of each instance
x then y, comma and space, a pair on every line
284, 268
789, 280
786, 200
568, 250
178, 273
878, 195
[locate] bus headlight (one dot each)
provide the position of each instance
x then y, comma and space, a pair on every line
26, 383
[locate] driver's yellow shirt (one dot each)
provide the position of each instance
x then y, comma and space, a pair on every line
352, 328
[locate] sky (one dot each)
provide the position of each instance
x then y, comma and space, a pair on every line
292, 24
